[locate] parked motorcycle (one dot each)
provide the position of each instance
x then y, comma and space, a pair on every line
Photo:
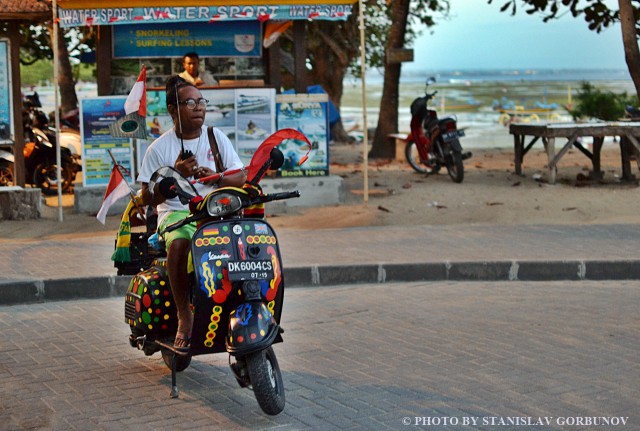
40, 157
434, 142
238, 283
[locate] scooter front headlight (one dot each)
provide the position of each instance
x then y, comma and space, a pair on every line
223, 204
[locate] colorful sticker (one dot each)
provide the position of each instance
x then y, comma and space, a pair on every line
261, 228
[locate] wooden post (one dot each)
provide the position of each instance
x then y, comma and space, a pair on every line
103, 60
518, 146
300, 56
18, 145
595, 158
273, 65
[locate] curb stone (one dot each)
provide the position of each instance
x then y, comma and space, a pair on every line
30, 291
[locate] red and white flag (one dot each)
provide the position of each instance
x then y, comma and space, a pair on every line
117, 188
132, 125
137, 98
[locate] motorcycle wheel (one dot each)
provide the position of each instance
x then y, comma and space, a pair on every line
266, 380
45, 177
182, 361
454, 166
413, 157
6, 174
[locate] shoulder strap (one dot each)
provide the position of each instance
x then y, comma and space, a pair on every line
214, 149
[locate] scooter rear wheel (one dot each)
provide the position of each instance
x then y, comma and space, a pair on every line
266, 379
182, 361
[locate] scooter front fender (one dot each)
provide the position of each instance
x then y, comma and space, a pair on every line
252, 328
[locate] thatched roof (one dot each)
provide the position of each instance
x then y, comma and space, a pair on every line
25, 10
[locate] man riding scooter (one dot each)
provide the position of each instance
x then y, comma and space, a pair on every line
196, 152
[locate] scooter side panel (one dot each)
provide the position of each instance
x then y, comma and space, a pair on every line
149, 305
214, 245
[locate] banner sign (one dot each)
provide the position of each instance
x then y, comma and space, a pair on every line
6, 101
174, 39
307, 113
97, 114
138, 15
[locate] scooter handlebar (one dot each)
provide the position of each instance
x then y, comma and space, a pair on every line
280, 196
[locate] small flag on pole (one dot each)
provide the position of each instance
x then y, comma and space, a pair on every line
117, 188
273, 30
133, 124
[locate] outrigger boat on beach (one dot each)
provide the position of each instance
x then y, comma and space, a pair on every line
506, 106
510, 112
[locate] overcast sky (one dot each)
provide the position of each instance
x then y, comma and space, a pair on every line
479, 36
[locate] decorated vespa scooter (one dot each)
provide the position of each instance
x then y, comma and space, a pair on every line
238, 281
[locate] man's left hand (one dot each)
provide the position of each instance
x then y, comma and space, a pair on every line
205, 172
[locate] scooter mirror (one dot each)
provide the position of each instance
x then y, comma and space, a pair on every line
277, 159
431, 80
179, 184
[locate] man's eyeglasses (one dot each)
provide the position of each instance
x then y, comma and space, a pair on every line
191, 103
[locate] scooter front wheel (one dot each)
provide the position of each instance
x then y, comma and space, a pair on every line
266, 379
413, 157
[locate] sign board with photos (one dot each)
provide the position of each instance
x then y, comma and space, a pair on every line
245, 115
307, 113
6, 99
97, 115
248, 116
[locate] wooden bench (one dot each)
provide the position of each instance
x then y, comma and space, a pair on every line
547, 133
399, 141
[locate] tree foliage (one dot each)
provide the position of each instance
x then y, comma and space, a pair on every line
596, 13
592, 102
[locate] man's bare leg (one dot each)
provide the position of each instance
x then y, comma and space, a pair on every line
177, 257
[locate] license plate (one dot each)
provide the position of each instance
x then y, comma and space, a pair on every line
240, 270
453, 135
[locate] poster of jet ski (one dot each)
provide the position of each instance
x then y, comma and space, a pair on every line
306, 113
255, 119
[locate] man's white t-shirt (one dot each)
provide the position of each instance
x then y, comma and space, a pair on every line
165, 150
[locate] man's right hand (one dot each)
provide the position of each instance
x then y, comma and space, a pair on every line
186, 167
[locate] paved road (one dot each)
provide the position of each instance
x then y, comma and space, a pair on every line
364, 357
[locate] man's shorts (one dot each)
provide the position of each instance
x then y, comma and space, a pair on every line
185, 232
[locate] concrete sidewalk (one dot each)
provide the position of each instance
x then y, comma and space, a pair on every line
75, 266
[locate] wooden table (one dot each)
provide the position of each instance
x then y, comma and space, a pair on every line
629, 133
